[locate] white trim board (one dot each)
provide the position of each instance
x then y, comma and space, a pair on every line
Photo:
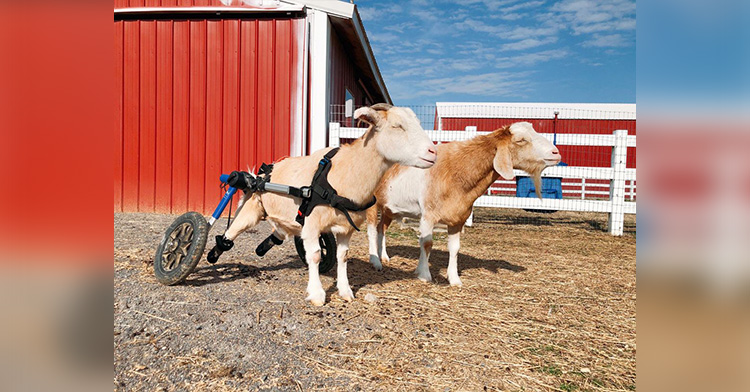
147, 10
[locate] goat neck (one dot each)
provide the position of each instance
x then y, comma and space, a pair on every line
472, 164
357, 169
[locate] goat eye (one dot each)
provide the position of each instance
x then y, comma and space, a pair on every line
521, 142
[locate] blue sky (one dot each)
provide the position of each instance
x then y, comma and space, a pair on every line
504, 50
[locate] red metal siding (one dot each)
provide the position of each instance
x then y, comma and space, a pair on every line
118, 114
343, 77
572, 155
197, 98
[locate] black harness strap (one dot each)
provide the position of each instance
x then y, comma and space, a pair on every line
323, 193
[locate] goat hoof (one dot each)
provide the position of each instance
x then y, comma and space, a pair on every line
346, 295
317, 299
425, 278
457, 283
376, 263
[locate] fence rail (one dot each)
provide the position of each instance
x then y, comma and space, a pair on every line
619, 177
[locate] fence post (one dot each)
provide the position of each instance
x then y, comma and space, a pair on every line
471, 131
617, 184
334, 131
583, 188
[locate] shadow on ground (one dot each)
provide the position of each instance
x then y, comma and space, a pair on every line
361, 272
229, 272
556, 219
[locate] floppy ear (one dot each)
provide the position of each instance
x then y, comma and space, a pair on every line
367, 115
503, 163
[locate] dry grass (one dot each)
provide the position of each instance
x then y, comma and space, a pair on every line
544, 306
548, 303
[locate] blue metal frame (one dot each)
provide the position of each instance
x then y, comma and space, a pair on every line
224, 200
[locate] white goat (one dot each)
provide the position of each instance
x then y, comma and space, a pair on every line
446, 192
394, 136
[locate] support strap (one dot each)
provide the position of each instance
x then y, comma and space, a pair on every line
323, 193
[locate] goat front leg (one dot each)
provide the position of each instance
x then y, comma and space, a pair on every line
385, 221
454, 244
342, 280
315, 293
372, 237
425, 246
248, 215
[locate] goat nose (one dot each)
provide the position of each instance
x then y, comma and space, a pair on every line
432, 151
555, 151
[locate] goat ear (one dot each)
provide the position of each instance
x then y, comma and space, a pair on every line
367, 115
503, 163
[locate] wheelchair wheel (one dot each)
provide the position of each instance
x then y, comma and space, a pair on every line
181, 248
327, 243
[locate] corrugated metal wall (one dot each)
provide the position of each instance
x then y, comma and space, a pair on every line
197, 98
343, 77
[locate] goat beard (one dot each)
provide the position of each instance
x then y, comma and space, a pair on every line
537, 176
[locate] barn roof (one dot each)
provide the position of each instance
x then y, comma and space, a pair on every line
346, 21
530, 110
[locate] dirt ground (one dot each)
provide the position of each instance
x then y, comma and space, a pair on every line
548, 303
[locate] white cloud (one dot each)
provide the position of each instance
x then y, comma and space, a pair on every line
369, 14
509, 17
526, 32
607, 41
493, 83
400, 27
522, 6
589, 16
528, 43
505, 32
383, 37
426, 15
529, 59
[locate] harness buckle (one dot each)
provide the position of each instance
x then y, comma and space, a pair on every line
306, 192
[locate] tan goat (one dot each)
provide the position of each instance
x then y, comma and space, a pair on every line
446, 192
394, 136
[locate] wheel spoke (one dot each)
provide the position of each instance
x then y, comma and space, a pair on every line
183, 248
171, 259
180, 240
187, 233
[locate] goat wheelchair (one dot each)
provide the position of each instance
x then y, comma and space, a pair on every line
183, 244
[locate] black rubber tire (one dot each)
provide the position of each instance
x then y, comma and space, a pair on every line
193, 244
327, 243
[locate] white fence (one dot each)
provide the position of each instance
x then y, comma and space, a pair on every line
621, 190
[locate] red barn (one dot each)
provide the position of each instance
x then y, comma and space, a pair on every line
585, 118
204, 88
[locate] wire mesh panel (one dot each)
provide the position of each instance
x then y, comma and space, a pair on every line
597, 145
